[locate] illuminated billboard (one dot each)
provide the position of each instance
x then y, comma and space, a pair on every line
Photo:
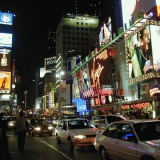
5, 59
100, 77
5, 82
142, 50
75, 88
5, 40
81, 20
50, 63
6, 18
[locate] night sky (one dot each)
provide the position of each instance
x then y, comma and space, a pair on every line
30, 26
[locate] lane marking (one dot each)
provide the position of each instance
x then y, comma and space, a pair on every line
56, 150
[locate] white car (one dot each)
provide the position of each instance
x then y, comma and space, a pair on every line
130, 140
76, 132
103, 121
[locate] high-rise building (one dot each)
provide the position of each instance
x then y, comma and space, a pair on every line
75, 35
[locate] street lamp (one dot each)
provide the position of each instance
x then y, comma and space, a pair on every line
25, 92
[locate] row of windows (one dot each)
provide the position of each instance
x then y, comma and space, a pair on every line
75, 33
75, 38
79, 28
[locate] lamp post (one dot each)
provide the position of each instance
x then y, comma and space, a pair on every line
25, 92
59, 76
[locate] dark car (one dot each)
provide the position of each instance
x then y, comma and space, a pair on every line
38, 126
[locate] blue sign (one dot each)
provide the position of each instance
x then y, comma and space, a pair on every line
6, 18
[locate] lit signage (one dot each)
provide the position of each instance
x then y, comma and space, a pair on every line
137, 105
5, 82
155, 90
50, 63
91, 92
5, 40
6, 18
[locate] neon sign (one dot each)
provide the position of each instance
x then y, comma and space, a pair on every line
154, 91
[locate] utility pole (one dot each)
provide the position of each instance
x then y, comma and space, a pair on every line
25, 92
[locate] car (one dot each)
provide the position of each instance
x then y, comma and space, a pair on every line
11, 122
65, 117
76, 132
38, 126
102, 121
130, 139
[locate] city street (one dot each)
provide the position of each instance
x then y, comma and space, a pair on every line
46, 148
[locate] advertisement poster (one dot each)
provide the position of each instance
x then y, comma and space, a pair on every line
5, 59
155, 37
139, 53
76, 93
5, 82
85, 77
5, 40
63, 86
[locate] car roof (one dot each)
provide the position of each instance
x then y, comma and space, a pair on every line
136, 121
72, 119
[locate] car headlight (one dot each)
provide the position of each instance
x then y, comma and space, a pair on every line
10, 124
37, 128
50, 127
79, 136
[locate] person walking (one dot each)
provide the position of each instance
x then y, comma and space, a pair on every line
20, 130
4, 151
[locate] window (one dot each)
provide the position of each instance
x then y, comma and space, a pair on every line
125, 133
111, 131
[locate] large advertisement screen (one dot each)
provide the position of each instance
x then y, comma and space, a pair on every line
142, 49
6, 18
5, 59
5, 82
5, 40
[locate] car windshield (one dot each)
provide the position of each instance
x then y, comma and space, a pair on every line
35, 121
148, 130
69, 117
79, 124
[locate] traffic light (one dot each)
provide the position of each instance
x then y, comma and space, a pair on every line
18, 79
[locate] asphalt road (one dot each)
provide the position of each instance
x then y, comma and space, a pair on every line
46, 148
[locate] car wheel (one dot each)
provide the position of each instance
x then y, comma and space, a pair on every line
57, 139
70, 144
32, 133
104, 154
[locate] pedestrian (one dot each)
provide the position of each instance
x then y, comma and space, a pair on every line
20, 130
4, 151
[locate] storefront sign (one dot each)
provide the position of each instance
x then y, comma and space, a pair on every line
155, 90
